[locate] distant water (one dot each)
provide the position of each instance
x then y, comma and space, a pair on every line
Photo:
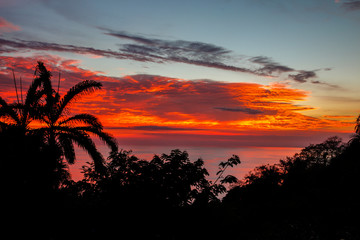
250, 157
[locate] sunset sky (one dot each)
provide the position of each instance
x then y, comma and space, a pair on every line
256, 78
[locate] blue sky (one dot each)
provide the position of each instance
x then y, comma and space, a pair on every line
302, 34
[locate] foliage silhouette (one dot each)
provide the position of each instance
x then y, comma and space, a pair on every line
234, 160
21, 114
167, 180
54, 140
157, 196
311, 195
61, 132
357, 125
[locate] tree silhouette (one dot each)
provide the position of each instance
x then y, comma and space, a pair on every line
234, 160
357, 126
24, 160
61, 131
54, 139
167, 180
355, 139
168, 197
20, 114
311, 195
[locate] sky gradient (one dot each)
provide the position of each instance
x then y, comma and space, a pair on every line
260, 79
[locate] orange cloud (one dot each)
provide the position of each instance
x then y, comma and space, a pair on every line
135, 106
153, 100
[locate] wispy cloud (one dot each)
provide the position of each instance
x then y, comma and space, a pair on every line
302, 76
147, 49
6, 26
152, 128
132, 52
15, 45
167, 48
269, 66
351, 5
309, 76
195, 53
334, 86
203, 54
240, 109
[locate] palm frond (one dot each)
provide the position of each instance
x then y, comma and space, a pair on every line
85, 118
83, 140
357, 126
39, 132
7, 110
4, 126
44, 76
68, 148
105, 137
33, 98
84, 87
31, 94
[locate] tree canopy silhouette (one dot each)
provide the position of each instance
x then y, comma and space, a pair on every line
311, 195
160, 196
168, 180
54, 140
62, 131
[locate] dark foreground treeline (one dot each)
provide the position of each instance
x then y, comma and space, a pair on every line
312, 195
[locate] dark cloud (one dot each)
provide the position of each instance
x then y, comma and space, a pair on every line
167, 48
155, 128
326, 84
195, 53
15, 45
147, 49
316, 82
240, 109
294, 139
269, 66
351, 5
303, 76
126, 35
189, 52
203, 54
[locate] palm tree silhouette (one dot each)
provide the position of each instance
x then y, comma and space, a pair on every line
19, 115
58, 132
22, 149
61, 131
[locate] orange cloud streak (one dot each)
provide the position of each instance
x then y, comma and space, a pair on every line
147, 102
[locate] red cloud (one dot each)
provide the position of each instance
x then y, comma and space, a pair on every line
6, 26
144, 103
